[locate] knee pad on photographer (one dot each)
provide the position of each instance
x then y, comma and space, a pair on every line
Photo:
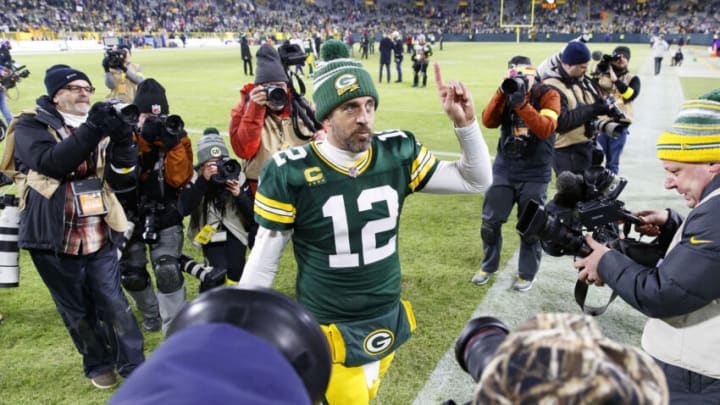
134, 278
168, 275
489, 234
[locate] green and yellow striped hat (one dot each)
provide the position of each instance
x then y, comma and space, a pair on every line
695, 135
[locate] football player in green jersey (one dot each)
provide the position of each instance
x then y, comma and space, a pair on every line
340, 201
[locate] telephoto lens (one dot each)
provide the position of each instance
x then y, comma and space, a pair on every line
478, 342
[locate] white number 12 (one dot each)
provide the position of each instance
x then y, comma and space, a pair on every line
334, 208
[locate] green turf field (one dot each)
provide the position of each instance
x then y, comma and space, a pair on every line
439, 242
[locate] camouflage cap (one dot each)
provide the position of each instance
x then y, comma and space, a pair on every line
565, 359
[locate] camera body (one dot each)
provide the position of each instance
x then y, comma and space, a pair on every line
128, 113
517, 82
166, 129
227, 169
291, 54
16, 73
276, 96
115, 57
603, 65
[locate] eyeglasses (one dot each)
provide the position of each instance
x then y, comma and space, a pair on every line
76, 89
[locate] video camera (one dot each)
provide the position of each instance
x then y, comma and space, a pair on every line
115, 57
16, 73
586, 202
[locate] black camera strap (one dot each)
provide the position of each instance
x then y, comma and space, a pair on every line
581, 289
299, 108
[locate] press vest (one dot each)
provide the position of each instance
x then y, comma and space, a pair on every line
572, 94
277, 134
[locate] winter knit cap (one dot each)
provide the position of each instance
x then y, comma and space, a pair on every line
211, 146
695, 134
622, 50
339, 79
269, 68
150, 98
58, 76
575, 53
563, 359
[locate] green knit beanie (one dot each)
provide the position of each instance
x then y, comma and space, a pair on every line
339, 79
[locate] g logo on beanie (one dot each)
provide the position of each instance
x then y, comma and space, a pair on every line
346, 83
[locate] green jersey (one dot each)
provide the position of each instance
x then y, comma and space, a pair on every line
344, 221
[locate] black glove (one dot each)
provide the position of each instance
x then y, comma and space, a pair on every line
516, 99
106, 64
601, 108
152, 128
103, 117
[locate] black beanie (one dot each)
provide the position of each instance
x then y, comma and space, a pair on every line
269, 68
622, 50
58, 76
519, 60
150, 98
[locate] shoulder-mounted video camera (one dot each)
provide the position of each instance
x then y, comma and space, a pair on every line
583, 202
13, 74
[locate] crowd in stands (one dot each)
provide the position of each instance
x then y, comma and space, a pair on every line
333, 17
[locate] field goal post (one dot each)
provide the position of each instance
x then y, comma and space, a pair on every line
510, 23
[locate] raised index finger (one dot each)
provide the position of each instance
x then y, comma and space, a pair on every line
438, 76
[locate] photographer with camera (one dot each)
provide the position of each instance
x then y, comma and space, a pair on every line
421, 53
165, 165
615, 80
6, 59
580, 104
527, 111
555, 358
269, 116
5, 74
680, 293
122, 76
69, 160
219, 208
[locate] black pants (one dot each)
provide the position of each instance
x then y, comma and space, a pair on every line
420, 68
87, 294
687, 387
228, 255
575, 158
658, 65
247, 65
